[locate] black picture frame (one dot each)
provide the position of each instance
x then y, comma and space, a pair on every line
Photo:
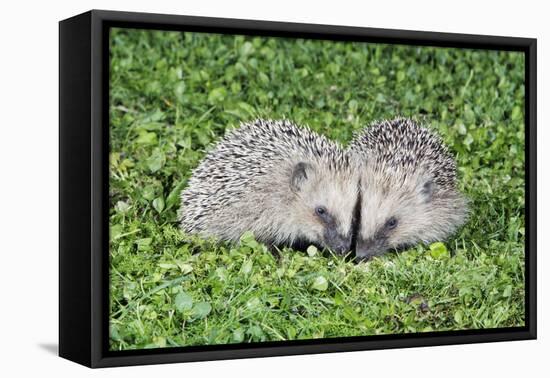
83, 181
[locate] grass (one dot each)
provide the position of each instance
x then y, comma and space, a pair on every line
174, 94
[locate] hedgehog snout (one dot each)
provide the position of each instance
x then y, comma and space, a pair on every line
342, 247
340, 244
368, 248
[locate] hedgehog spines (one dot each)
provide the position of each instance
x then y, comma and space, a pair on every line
408, 176
406, 146
244, 184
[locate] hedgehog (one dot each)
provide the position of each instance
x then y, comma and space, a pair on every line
287, 184
408, 188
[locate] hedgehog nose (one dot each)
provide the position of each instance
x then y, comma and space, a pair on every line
365, 250
343, 246
362, 258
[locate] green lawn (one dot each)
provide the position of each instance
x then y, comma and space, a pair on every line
174, 94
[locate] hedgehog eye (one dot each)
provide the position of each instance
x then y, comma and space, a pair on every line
321, 211
391, 223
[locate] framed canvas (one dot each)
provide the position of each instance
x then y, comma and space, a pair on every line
235, 188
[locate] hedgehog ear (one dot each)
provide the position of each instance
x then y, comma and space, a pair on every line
300, 175
427, 189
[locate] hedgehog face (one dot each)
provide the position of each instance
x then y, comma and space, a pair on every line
399, 210
323, 206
